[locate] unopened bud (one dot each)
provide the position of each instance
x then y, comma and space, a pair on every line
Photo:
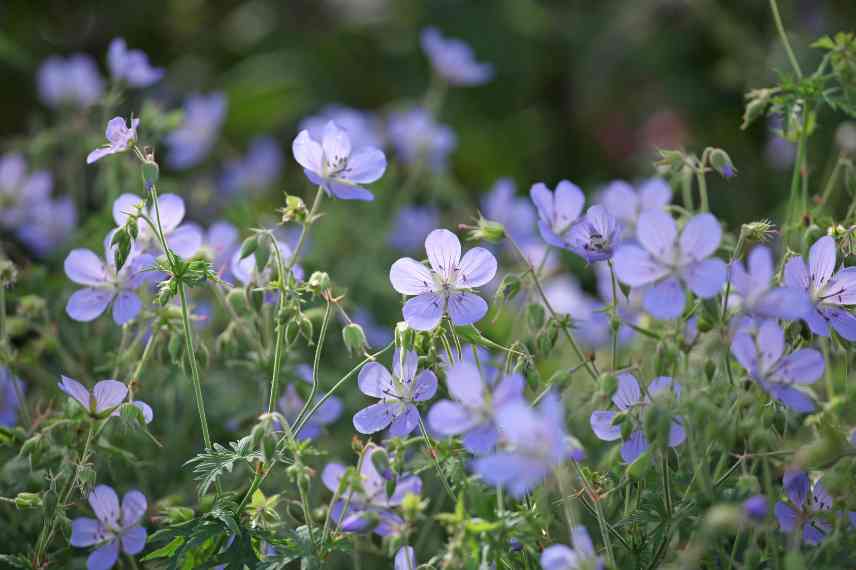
355, 338
721, 162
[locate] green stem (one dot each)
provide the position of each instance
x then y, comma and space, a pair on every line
614, 315
194, 366
432, 452
599, 515
589, 366
316, 362
147, 352
704, 206
831, 182
784, 37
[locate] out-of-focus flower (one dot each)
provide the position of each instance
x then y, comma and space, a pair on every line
756, 507
630, 401
443, 289
412, 226
405, 558
582, 556
533, 442
259, 169
73, 81
20, 191
515, 213
334, 165
802, 512
111, 528
417, 137
474, 405
376, 335
48, 225
104, 285
398, 393
131, 65
363, 128
119, 139
830, 291
183, 239
371, 502
590, 320
222, 239
763, 357
626, 203
246, 271
190, 143
291, 403
453, 60
106, 395
11, 387
666, 261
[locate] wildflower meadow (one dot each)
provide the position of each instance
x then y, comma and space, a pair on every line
247, 325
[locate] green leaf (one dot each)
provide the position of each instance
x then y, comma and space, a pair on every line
167, 551
209, 466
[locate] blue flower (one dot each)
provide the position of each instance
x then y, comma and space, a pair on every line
11, 387
72, 81
802, 513
334, 165
417, 137
582, 556
131, 66
191, 142
453, 60
412, 226
111, 527
259, 169
363, 128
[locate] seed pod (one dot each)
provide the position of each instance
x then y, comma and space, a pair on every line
248, 247
354, 338
535, 316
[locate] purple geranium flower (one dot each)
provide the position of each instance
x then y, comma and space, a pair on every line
515, 213
443, 289
591, 321
626, 203
405, 558
183, 239
105, 397
11, 387
21, 193
763, 357
412, 226
830, 291
372, 500
417, 137
472, 412
533, 442
629, 400
291, 403
131, 65
49, 224
73, 81
363, 128
111, 527
453, 60
595, 236
557, 212
119, 139
582, 556
757, 298
803, 513
104, 285
398, 393
335, 166
190, 143
756, 507
258, 170
667, 260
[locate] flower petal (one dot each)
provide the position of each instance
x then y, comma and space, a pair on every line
76, 390
543, 200
771, 344
405, 423
797, 486
559, 557
125, 307
405, 558
841, 320
841, 289
601, 425
665, 300
425, 386
84, 267
745, 351
376, 381
786, 303
477, 268
376, 417
705, 278
465, 384
700, 237
134, 540
104, 558
444, 252
796, 273
185, 240
108, 394
331, 475
409, 277
171, 209
366, 165
657, 232
88, 304
805, 366
105, 504
125, 205
821, 261
336, 144
568, 204
447, 418
633, 447
86, 532
307, 152
466, 308
404, 366
786, 516
481, 439
636, 267
134, 506
628, 393
344, 190
423, 313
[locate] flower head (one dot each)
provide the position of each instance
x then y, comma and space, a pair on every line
131, 65
830, 290
104, 285
473, 408
557, 211
337, 167
453, 60
183, 239
72, 81
190, 143
372, 502
763, 357
669, 260
444, 288
626, 203
119, 139
259, 169
48, 224
22, 193
398, 393
755, 295
756, 507
595, 236
532, 443
11, 388
631, 405
111, 528
515, 213
417, 138
583, 556
803, 512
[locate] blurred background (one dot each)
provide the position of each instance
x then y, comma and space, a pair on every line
581, 90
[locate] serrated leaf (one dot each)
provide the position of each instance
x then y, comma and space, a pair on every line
167, 551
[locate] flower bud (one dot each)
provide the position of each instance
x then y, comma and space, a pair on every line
249, 245
535, 316
355, 339
319, 281
411, 506
237, 299
609, 382
151, 173
28, 500
294, 211
760, 231
486, 230
721, 162
724, 518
